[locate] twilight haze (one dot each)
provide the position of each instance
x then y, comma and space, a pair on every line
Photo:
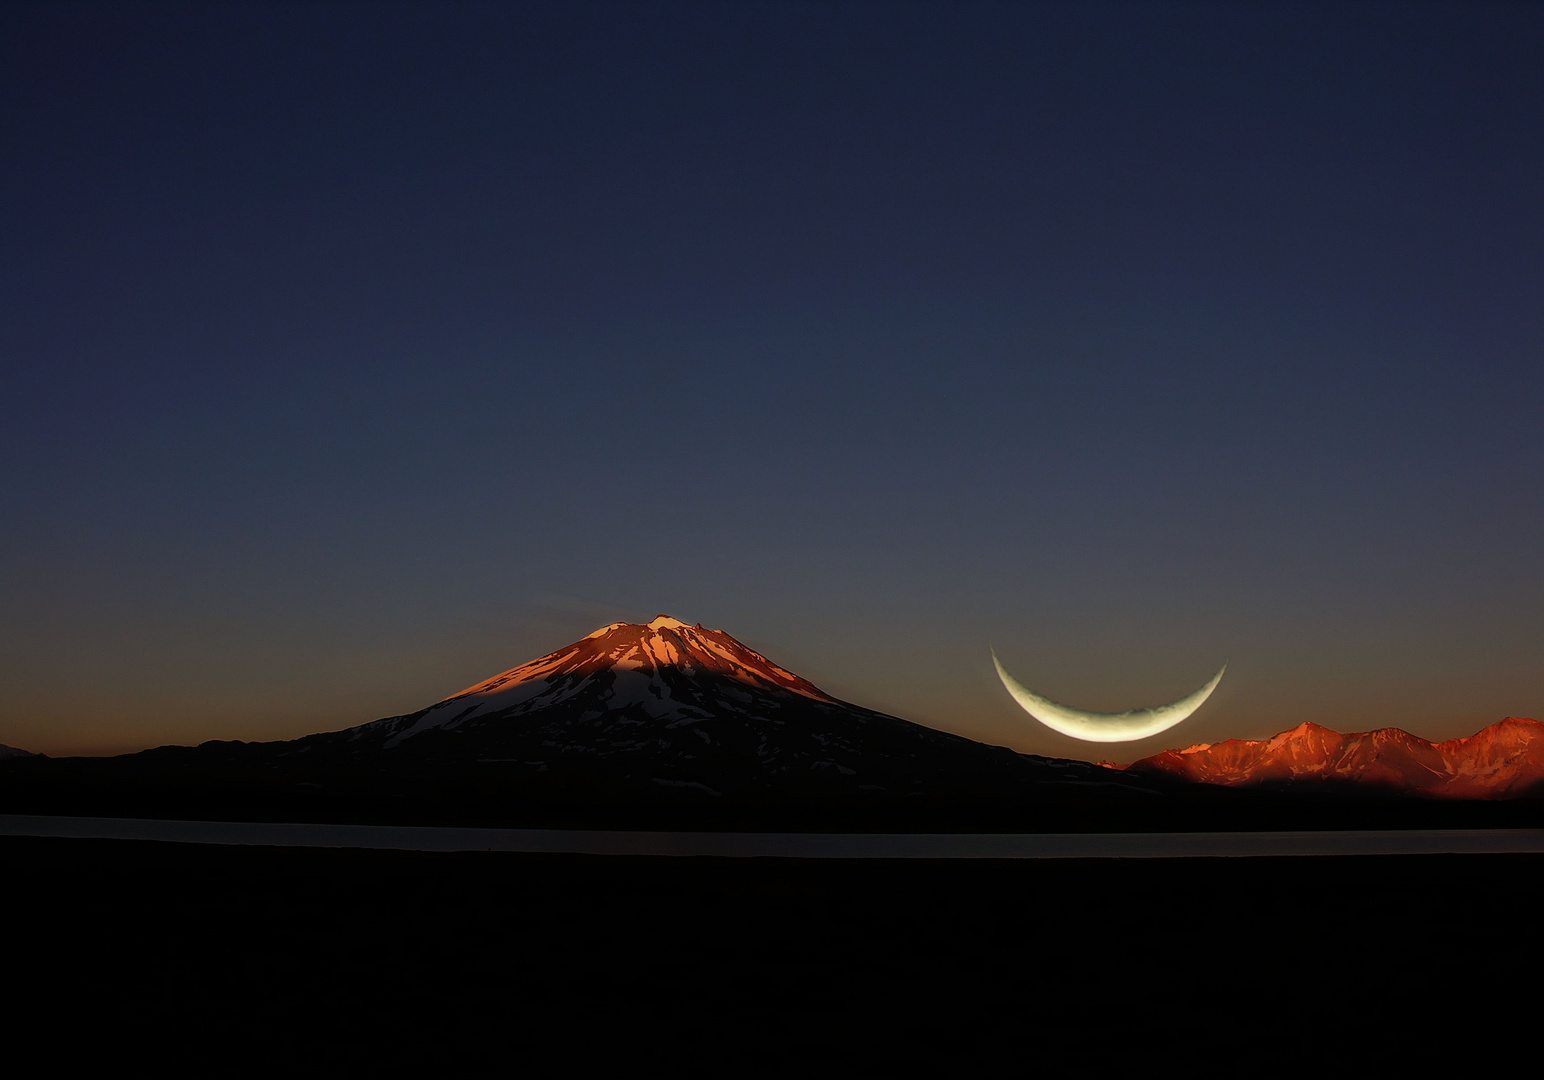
350, 354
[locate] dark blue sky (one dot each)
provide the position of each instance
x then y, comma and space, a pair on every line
351, 353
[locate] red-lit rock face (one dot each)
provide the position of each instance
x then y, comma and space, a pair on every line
665, 669
649, 649
1503, 761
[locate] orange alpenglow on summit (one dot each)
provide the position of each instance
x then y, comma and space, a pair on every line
1504, 761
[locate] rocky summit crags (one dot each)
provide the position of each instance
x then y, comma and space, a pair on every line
664, 671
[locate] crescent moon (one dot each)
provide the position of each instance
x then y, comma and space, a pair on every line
1105, 727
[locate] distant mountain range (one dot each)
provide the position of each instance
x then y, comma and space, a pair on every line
1504, 761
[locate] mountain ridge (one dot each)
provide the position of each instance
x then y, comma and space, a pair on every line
1502, 761
672, 725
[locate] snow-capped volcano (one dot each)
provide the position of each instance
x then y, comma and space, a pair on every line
643, 667
656, 714
680, 705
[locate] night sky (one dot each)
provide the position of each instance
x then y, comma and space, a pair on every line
352, 353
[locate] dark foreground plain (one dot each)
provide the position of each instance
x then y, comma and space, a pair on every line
808, 845
220, 959
184, 787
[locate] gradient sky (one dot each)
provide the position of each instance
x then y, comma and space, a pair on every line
352, 353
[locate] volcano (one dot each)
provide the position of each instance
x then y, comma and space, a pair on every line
681, 706
662, 710
1503, 761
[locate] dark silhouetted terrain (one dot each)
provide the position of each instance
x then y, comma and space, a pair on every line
666, 725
